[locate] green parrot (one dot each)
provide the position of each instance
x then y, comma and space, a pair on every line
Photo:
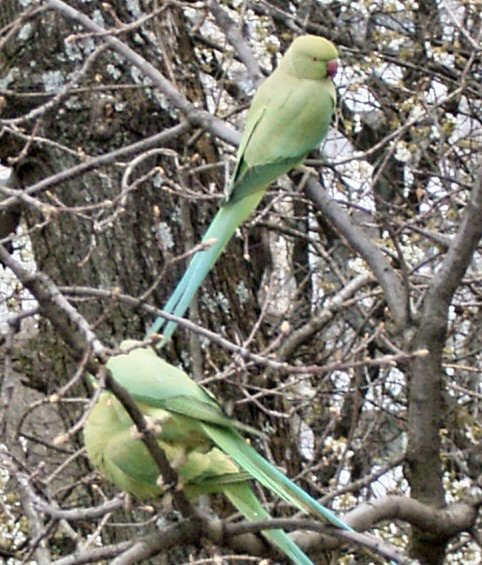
288, 117
199, 440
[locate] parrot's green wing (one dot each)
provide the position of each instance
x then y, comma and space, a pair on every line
228, 439
115, 448
139, 372
288, 117
204, 412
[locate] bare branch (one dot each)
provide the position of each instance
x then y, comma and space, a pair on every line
280, 366
38, 530
71, 325
234, 36
443, 522
75, 514
395, 294
364, 540
459, 255
89, 165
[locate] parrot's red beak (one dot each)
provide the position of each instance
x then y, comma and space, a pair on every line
332, 67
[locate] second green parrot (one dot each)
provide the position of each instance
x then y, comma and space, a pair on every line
288, 117
199, 440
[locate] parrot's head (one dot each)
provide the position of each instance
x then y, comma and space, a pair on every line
312, 57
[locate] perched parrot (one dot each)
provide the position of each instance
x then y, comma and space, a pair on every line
288, 117
199, 440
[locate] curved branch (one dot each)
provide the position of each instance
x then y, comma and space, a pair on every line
333, 305
443, 522
459, 255
79, 513
395, 293
233, 35
362, 539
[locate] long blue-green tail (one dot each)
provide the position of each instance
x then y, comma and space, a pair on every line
243, 498
273, 479
222, 228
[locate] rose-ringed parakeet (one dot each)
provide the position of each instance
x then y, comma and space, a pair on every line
288, 117
200, 441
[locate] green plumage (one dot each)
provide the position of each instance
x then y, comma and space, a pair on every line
288, 117
202, 443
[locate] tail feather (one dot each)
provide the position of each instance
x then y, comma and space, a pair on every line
222, 228
243, 498
187, 287
273, 479
184, 292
